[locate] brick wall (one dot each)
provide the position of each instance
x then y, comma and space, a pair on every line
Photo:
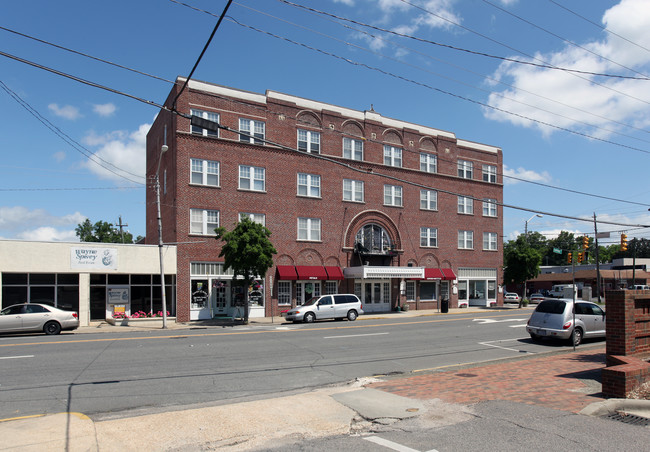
628, 341
339, 220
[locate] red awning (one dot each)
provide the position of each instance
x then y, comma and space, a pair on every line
334, 273
286, 272
432, 273
311, 272
448, 274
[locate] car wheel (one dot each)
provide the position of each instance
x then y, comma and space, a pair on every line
309, 317
577, 336
52, 328
535, 337
352, 315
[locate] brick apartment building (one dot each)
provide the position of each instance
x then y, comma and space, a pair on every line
398, 213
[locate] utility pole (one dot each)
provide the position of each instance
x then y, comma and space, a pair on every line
597, 259
121, 228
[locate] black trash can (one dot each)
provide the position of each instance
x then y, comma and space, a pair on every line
444, 306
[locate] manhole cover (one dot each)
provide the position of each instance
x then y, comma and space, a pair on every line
466, 375
629, 419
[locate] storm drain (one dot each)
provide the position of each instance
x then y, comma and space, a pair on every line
631, 419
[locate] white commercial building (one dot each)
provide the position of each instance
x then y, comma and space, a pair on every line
94, 279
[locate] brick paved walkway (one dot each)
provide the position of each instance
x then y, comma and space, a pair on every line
558, 381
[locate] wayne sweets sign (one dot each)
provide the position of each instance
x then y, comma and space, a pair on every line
93, 258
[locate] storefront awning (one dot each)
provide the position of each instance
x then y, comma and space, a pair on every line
286, 272
372, 272
449, 274
311, 272
437, 274
334, 273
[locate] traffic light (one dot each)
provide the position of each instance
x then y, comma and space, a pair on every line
623, 242
585, 242
580, 257
569, 257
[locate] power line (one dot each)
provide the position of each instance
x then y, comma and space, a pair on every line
66, 138
69, 189
487, 55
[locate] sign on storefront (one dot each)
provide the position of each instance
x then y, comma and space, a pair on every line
94, 258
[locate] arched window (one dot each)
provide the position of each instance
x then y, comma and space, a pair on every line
373, 239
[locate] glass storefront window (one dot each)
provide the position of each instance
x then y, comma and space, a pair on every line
428, 291
492, 290
462, 290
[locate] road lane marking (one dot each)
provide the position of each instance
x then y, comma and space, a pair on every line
16, 357
392, 445
484, 321
491, 344
355, 335
518, 326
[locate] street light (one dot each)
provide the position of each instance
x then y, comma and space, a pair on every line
526, 227
163, 149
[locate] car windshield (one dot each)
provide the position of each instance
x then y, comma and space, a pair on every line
551, 307
311, 301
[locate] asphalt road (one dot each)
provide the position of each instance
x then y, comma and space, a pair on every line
104, 374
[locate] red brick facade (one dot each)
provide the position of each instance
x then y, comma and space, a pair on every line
340, 220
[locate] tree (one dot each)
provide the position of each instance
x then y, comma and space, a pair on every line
248, 251
521, 261
101, 232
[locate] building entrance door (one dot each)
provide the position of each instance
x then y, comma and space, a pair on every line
374, 295
219, 297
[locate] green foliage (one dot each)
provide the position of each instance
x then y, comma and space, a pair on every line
248, 251
101, 232
521, 261
635, 247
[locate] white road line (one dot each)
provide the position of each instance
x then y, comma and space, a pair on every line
517, 326
490, 344
16, 357
391, 445
355, 335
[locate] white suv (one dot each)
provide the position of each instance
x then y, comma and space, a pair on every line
335, 306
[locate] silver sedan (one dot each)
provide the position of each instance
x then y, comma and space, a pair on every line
35, 317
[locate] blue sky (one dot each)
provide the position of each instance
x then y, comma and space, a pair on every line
574, 143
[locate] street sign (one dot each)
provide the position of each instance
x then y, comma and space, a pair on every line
557, 250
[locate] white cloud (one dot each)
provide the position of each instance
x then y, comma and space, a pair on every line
513, 176
120, 152
66, 111
345, 2
105, 110
577, 102
45, 226
59, 156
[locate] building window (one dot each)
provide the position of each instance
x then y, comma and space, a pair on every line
428, 200
308, 185
489, 207
372, 239
352, 149
428, 163
252, 178
410, 290
309, 229
465, 205
284, 293
309, 141
465, 240
392, 156
331, 287
490, 241
429, 237
252, 131
203, 222
490, 173
393, 195
254, 217
205, 172
214, 117
465, 169
352, 190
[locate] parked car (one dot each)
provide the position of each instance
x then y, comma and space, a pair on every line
554, 319
536, 298
33, 317
511, 297
336, 306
